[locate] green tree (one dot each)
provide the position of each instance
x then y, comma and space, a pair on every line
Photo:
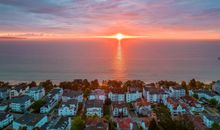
78, 123
48, 85
215, 126
37, 105
86, 93
184, 85
196, 96
153, 125
213, 103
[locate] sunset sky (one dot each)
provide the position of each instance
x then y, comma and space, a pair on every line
169, 19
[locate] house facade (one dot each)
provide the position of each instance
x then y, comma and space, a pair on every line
36, 93
142, 107
176, 91
208, 120
18, 90
68, 108
154, 95
71, 94
94, 108
59, 123
216, 87
133, 94
97, 94
192, 104
5, 119
119, 109
4, 92
20, 103
175, 106
117, 95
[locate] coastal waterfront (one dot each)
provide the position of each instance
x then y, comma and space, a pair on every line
145, 60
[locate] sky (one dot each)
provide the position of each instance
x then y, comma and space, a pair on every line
165, 19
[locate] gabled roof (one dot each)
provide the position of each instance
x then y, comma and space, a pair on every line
30, 119
20, 99
71, 93
94, 103
119, 104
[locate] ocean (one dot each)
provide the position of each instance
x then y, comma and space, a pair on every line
147, 60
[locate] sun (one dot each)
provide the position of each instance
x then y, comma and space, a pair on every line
119, 36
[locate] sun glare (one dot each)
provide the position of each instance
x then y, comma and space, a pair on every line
119, 36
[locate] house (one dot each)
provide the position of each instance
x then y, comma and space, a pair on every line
208, 120
30, 121
175, 106
4, 105
124, 123
207, 94
96, 124
154, 94
192, 104
36, 93
20, 103
71, 94
58, 123
142, 107
176, 91
117, 95
68, 108
119, 109
216, 87
56, 94
18, 90
94, 108
52, 100
49, 105
97, 94
133, 94
4, 92
5, 119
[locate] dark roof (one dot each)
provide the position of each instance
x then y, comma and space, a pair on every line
71, 93
36, 88
119, 104
154, 90
134, 89
3, 115
4, 89
69, 102
60, 123
30, 119
94, 103
20, 99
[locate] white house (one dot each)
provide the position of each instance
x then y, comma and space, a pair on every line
119, 109
71, 94
5, 119
175, 106
68, 108
133, 94
58, 123
94, 108
192, 104
4, 92
20, 103
207, 94
4, 105
18, 90
208, 120
30, 121
154, 95
117, 95
142, 107
176, 92
36, 92
97, 94
216, 87
52, 100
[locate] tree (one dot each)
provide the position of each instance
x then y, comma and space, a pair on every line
37, 105
184, 85
48, 85
86, 93
192, 83
33, 84
196, 96
213, 103
108, 101
78, 123
215, 126
153, 125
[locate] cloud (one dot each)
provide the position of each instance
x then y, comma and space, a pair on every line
108, 16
